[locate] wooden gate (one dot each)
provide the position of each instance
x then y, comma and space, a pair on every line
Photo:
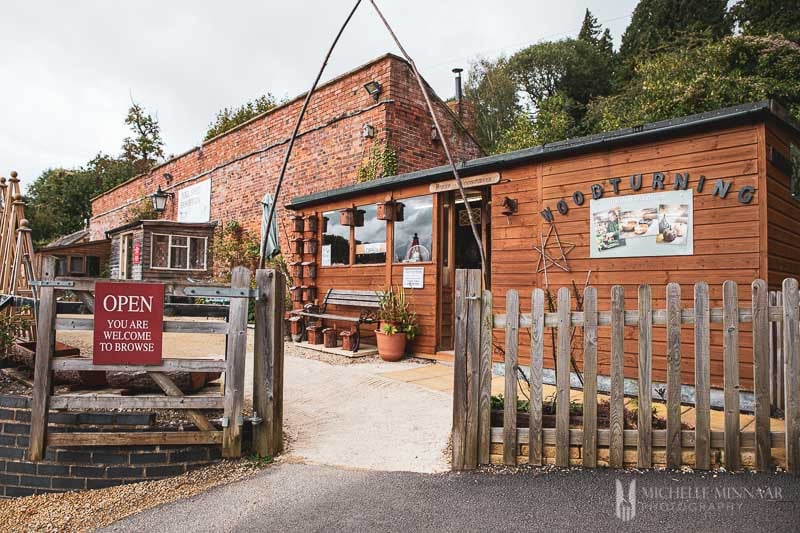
267, 416
474, 436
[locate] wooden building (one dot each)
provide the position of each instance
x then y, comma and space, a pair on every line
77, 255
709, 197
161, 250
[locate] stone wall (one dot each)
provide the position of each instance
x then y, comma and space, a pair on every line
75, 468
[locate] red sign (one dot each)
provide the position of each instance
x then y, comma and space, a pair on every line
137, 253
128, 323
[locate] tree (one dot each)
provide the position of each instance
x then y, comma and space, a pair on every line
145, 147
590, 30
554, 122
763, 17
490, 87
732, 71
229, 118
664, 25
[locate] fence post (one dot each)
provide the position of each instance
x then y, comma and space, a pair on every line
702, 378
644, 446
235, 354
617, 397
42, 377
760, 306
791, 357
562, 377
268, 362
730, 363
674, 446
590, 377
474, 315
537, 353
459, 432
485, 401
510, 399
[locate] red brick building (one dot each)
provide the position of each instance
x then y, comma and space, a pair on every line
243, 163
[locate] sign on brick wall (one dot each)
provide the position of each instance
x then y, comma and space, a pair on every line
194, 202
128, 323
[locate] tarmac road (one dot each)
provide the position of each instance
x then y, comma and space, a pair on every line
299, 497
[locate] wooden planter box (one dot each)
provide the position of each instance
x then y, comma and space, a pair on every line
297, 223
310, 246
329, 336
311, 223
548, 421
309, 270
315, 334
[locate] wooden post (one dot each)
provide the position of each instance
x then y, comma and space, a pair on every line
730, 362
617, 378
537, 353
234, 369
760, 306
268, 355
702, 378
474, 315
562, 377
590, 377
510, 396
460, 372
644, 447
791, 355
485, 400
42, 377
673, 376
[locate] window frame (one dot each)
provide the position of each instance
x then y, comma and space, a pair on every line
350, 242
187, 246
434, 240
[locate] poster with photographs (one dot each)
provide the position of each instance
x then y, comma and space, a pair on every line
643, 225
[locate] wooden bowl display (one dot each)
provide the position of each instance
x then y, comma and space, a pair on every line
309, 293
310, 246
309, 270
311, 222
297, 222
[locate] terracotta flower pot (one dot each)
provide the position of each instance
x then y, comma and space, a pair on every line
391, 347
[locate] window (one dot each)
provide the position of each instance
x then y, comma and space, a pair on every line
413, 236
335, 241
178, 252
61, 265
371, 237
76, 264
92, 265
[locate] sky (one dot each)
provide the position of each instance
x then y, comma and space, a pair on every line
70, 69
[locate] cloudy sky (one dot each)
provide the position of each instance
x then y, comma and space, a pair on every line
68, 69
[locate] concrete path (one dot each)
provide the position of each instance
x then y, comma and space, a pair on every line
290, 497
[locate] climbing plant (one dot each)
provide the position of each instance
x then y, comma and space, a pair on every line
381, 161
141, 210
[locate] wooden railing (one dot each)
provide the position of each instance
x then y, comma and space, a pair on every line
475, 440
267, 373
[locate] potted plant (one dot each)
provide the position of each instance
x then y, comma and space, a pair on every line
398, 324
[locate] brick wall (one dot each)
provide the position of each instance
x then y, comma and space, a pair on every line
244, 163
76, 468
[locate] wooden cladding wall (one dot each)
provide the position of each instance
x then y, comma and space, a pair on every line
783, 215
727, 239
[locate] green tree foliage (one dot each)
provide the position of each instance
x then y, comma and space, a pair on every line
764, 17
591, 31
663, 25
491, 88
229, 118
144, 148
554, 122
732, 71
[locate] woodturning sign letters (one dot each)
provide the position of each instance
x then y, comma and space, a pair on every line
128, 323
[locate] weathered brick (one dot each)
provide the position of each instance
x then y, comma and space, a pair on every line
164, 471
16, 429
87, 471
11, 453
68, 483
22, 415
16, 492
7, 414
52, 470
148, 458
14, 401
101, 483
67, 456
20, 467
109, 458
7, 440
9, 479
124, 471
35, 481
191, 455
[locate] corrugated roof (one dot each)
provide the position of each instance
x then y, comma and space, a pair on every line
654, 130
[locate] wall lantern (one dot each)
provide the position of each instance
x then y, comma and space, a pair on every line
374, 89
159, 199
509, 206
368, 132
434, 133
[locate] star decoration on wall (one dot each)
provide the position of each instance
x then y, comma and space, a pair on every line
553, 253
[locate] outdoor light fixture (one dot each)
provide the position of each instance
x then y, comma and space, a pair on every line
374, 89
434, 133
509, 206
368, 132
159, 199
168, 178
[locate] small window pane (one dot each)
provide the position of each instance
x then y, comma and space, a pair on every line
76, 264
160, 251
197, 253
178, 258
371, 237
61, 265
335, 241
92, 266
178, 241
413, 237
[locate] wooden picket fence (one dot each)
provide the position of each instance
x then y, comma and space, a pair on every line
267, 371
473, 434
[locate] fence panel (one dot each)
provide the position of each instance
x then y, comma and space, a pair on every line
589, 444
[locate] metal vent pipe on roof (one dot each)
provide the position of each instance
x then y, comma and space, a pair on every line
459, 94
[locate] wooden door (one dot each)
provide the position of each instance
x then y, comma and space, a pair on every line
447, 271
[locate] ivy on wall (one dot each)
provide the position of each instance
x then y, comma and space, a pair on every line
381, 161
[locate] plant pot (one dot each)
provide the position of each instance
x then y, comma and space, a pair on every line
329, 335
391, 347
296, 328
315, 334
347, 340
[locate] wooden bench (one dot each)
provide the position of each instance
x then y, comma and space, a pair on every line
367, 301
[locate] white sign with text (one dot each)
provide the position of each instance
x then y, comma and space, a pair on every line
194, 202
414, 277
